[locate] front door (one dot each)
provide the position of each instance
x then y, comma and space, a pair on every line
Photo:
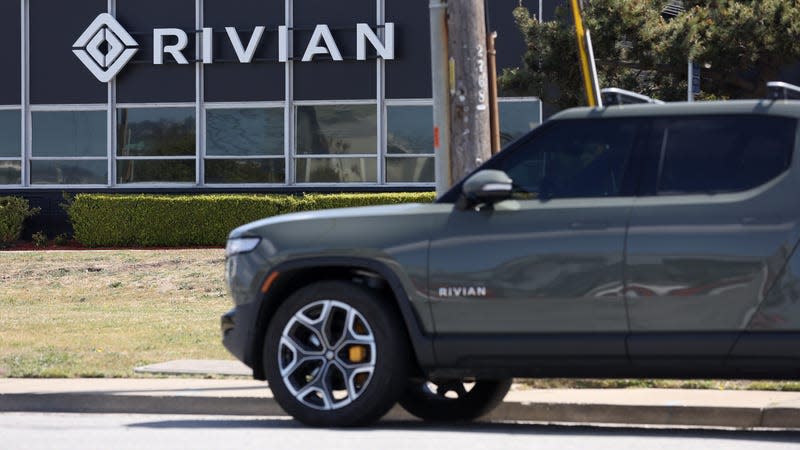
540, 276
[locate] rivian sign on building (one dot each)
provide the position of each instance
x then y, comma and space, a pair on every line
105, 46
224, 95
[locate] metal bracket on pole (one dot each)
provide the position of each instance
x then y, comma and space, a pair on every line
440, 78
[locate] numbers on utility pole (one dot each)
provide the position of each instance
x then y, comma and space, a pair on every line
460, 89
470, 137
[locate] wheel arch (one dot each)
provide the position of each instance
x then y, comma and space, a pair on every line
292, 275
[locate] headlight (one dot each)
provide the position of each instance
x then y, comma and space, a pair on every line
241, 245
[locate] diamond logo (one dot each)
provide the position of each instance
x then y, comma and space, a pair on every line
105, 47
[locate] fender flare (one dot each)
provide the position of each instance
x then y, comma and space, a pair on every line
421, 343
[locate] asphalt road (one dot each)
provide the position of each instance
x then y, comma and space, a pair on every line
138, 431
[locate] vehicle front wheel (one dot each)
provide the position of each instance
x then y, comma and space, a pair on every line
336, 354
453, 400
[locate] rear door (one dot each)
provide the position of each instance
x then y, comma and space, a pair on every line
540, 277
708, 237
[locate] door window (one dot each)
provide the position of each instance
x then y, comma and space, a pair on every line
706, 155
573, 158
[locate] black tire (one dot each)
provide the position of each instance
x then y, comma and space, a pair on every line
453, 400
308, 390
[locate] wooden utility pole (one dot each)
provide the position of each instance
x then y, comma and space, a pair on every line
470, 140
460, 88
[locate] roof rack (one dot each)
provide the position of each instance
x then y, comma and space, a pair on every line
616, 96
778, 90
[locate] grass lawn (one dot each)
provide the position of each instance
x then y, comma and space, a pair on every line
100, 313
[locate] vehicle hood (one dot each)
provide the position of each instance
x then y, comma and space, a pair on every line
331, 215
378, 228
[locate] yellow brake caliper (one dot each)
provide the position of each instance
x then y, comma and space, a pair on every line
357, 353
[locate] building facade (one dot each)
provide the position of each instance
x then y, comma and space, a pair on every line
226, 95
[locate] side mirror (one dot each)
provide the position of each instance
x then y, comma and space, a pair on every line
485, 187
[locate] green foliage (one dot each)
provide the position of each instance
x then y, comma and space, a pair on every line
61, 239
13, 212
740, 45
106, 220
39, 239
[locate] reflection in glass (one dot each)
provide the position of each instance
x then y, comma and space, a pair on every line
10, 172
244, 132
69, 133
705, 155
410, 129
245, 171
156, 132
410, 170
336, 170
10, 140
69, 172
518, 118
337, 129
572, 159
156, 171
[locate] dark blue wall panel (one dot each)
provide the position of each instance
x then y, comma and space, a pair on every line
10, 52
141, 81
409, 75
227, 79
332, 80
56, 75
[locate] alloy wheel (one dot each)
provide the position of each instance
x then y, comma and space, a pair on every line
326, 355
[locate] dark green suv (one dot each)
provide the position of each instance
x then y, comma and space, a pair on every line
628, 241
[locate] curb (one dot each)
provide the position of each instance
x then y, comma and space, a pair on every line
139, 404
682, 416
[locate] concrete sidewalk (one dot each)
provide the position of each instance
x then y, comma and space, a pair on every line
661, 407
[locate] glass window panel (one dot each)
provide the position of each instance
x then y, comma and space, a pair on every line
69, 172
10, 140
572, 158
410, 170
337, 170
156, 132
245, 171
517, 119
69, 133
724, 154
337, 129
244, 132
10, 172
410, 129
156, 171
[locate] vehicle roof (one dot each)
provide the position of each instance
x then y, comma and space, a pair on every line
790, 108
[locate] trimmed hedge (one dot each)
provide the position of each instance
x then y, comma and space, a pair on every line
13, 212
120, 220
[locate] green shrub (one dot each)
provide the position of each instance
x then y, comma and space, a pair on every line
114, 220
13, 212
39, 239
61, 239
